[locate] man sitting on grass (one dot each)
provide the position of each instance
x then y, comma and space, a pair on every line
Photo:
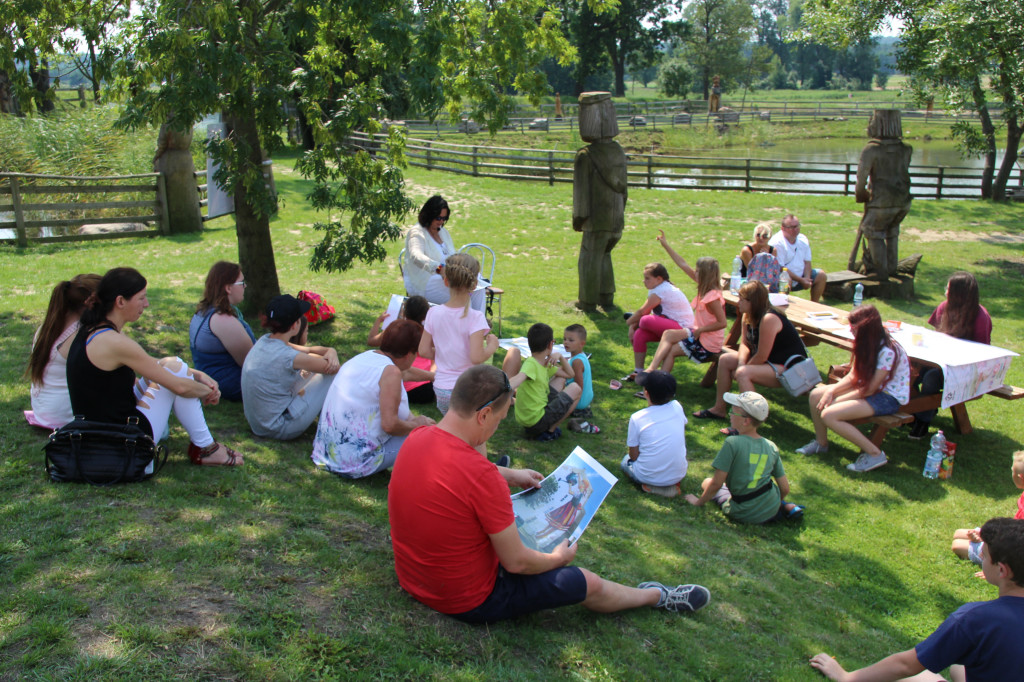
980, 641
457, 548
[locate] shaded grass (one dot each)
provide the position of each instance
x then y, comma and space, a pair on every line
277, 571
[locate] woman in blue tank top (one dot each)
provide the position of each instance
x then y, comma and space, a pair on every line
218, 336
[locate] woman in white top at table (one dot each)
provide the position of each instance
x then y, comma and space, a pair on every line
877, 384
47, 364
427, 245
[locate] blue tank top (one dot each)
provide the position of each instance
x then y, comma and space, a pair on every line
209, 354
588, 386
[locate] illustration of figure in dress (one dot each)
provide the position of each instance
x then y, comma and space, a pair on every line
566, 517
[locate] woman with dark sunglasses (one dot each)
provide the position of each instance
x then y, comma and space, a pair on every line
427, 244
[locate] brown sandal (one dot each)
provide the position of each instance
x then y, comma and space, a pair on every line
200, 456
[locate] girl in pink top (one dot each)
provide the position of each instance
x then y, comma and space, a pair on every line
456, 336
645, 325
708, 334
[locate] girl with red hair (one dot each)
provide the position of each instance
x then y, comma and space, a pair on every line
878, 384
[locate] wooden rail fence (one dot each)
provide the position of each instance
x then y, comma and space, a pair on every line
655, 171
36, 206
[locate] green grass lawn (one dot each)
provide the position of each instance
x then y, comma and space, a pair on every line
277, 571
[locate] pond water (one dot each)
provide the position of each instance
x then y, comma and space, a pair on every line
797, 162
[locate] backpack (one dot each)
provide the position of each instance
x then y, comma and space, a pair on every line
765, 268
320, 309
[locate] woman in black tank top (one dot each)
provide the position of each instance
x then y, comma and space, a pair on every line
103, 363
768, 340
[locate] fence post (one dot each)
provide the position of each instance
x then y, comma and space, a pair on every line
429, 161
19, 216
746, 186
476, 171
846, 181
551, 168
81, 96
161, 197
650, 163
938, 183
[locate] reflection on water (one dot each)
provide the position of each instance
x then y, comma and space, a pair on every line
809, 168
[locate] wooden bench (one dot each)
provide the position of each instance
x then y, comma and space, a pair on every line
883, 423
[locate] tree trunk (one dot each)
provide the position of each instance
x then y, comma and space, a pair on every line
255, 247
40, 78
92, 73
8, 102
1013, 134
989, 131
618, 59
305, 130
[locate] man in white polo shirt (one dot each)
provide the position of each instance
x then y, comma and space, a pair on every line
794, 253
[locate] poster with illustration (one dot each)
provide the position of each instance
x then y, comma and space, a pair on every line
564, 504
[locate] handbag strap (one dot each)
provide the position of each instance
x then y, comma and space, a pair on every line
785, 365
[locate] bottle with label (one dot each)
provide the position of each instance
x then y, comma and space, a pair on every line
785, 283
933, 463
858, 295
734, 280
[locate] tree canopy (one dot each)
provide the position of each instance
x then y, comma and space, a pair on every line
181, 60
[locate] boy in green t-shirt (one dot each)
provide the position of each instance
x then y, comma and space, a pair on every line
543, 401
745, 468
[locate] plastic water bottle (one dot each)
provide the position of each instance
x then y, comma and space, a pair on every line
858, 295
734, 280
785, 283
933, 462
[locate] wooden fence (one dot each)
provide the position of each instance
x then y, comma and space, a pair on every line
37, 207
655, 171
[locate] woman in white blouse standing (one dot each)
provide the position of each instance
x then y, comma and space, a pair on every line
427, 245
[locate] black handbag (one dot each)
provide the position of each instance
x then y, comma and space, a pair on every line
102, 454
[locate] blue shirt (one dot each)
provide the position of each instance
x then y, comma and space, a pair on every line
983, 636
588, 386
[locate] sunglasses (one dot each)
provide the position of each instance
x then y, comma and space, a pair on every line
507, 388
443, 219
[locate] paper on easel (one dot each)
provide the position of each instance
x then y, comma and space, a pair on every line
394, 310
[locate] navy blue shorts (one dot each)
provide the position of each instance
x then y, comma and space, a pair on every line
515, 594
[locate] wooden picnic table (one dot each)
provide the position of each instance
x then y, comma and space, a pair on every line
820, 323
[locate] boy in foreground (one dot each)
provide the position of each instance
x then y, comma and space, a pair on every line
541, 402
574, 339
980, 641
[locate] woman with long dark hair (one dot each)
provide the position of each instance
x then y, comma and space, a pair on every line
218, 336
877, 384
962, 316
769, 340
103, 363
47, 364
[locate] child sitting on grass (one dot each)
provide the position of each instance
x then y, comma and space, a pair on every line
666, 308
456, 336
574, 339
541, 402
745, 466
967, 541
657, 437
418, 380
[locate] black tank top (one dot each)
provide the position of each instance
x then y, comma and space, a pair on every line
787, 341
96, 394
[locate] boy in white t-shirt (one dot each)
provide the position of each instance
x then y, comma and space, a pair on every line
657, 437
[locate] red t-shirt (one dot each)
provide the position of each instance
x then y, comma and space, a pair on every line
1020, 507
982, 323
444, 500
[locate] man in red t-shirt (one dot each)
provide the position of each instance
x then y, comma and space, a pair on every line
454, 535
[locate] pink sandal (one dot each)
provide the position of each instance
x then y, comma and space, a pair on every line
200, 456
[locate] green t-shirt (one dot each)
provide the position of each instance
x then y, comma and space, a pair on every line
532, 394
750, 463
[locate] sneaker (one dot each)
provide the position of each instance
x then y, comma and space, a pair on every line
681, 597
812, 448
583, 426
866, 462
662, 490
504, 461
918, 431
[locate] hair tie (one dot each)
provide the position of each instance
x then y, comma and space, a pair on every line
92, 300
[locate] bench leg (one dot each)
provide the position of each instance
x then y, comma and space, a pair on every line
961, 420
878, 435
711, 376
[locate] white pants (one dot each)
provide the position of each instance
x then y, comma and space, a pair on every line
156, 402
437, 292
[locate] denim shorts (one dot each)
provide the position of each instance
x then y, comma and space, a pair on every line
515, 594
974, 552
883, 403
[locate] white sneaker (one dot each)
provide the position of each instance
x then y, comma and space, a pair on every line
866, 462
812, 448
